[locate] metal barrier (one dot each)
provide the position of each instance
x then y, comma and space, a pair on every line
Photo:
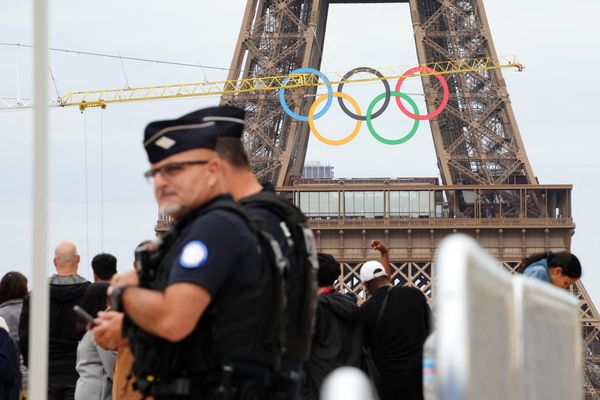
501, 336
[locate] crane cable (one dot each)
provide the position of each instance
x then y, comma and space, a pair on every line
125, 72
101, 180
87, 201
54, 83
88, 53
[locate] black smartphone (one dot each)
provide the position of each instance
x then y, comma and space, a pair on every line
83, 314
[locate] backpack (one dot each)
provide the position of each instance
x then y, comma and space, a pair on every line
301, 239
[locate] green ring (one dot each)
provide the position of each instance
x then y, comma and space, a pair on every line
406, 137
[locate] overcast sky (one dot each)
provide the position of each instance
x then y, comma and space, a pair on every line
99, 199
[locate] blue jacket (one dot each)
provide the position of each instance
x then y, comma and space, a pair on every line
538, 270
10, 375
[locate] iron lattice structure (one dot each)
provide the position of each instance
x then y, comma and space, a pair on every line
476, 138
277, 37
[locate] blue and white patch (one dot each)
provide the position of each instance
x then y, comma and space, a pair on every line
193, 255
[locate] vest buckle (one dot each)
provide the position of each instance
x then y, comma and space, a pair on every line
225, 390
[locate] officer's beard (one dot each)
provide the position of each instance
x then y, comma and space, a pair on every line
173, 210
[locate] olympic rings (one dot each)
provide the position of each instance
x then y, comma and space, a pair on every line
369, 115
329, 95
311, 119
385, 84
406, 137
444, 98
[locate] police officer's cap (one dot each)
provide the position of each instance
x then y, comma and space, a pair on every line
199, 129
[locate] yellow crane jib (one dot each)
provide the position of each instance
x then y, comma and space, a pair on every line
100, 98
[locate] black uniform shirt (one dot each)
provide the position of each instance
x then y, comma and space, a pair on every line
404, 326
218, 252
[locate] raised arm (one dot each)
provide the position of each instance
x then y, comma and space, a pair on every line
385, 259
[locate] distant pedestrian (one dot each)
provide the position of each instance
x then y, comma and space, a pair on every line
396, 322
10, 375
561, 269
104, 266
337, 340
13, 289
94, 364
66, 290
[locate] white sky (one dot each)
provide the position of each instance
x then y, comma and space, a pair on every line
554, 101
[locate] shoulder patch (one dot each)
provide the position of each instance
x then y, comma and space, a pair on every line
193, 255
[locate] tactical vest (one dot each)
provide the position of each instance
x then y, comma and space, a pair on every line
301, 282
243, 326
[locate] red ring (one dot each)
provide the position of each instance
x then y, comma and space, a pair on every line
444, 99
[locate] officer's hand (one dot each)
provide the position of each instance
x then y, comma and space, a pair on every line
380, 247
108, 330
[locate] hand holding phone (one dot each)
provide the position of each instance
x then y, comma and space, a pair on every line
84, 315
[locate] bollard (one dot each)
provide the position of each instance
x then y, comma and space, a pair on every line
347, 383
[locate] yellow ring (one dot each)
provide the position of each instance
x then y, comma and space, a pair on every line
311, 120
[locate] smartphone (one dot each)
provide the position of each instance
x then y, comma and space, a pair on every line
83, 314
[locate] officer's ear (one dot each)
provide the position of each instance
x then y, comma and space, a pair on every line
215, 172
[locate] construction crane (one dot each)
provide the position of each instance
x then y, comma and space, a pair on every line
101, 98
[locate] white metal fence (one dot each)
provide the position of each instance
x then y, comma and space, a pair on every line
501, 336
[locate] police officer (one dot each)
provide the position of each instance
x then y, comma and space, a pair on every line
205, 323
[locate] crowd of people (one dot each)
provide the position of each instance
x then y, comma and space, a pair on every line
233, 302
73, 356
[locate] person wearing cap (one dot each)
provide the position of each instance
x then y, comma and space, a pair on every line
395, 322
337, 340
201, 326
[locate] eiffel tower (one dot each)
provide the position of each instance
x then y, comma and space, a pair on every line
488, 188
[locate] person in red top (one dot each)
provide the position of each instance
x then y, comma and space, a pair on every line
337, 340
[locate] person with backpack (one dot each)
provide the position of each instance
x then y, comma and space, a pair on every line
10, 372
289, 227
204, 316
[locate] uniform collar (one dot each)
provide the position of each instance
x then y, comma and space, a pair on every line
190, 216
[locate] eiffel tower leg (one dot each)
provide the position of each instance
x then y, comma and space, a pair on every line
277, 37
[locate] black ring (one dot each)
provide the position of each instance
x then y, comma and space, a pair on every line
385, 84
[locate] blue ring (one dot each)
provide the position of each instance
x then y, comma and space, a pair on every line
292, 114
